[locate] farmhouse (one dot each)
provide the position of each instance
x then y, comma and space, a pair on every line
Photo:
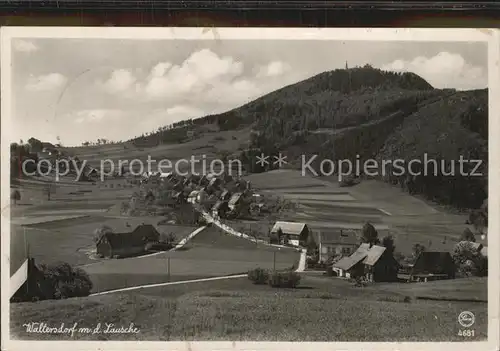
375, 263
127, 243
433, 266
293, 233
343, 242
351, 265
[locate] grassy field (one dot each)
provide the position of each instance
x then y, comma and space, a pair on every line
323, 309
209, 254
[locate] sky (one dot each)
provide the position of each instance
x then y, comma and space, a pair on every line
84, 89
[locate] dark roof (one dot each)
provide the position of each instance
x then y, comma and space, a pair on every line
347, 263
130, 224
433, 262
117, 240
142, 234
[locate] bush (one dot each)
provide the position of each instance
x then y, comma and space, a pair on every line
289, 279
469, 261
258, 276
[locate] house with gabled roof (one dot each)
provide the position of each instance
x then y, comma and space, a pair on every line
292, 233
335, 242
351, 265
375, 263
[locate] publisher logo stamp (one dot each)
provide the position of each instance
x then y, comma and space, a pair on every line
466, 319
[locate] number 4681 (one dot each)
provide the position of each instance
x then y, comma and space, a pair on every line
466, 333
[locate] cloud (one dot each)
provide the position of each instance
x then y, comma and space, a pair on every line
204, 83
46, 82
24, 45
119, 81
96, 115
273, 69
445, 70
199, 72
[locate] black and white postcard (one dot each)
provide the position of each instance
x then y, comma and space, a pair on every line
230, 188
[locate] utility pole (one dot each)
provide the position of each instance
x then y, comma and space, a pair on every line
274, 260
168, 260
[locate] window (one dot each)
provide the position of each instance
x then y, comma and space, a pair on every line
346, 250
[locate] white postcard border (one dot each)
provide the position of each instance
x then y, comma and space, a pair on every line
491, 36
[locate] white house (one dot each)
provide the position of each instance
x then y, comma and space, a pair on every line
193, 196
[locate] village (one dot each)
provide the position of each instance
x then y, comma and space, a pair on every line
345, 253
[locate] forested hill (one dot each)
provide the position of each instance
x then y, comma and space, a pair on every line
367, 112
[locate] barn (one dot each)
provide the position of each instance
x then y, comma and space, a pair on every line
433, 266
125, 244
